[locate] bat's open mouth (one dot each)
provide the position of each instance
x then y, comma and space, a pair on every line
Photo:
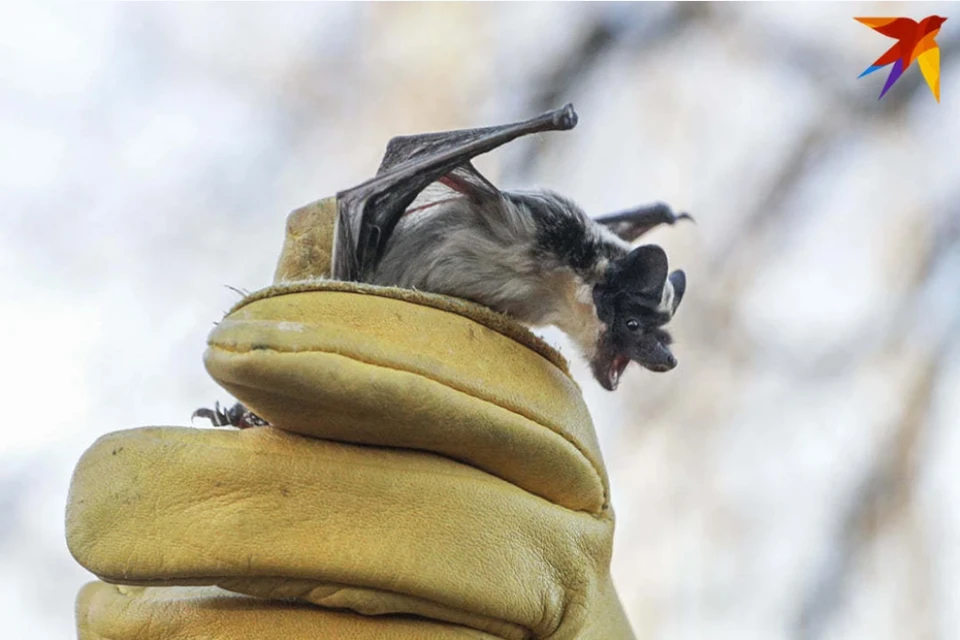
653, 354
614, 371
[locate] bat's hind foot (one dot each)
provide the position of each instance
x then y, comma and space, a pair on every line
662, 213
236, 416
632, 224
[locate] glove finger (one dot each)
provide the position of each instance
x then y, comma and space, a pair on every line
109, 612
191, 506
359, 366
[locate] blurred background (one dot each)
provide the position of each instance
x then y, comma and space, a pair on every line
794, 477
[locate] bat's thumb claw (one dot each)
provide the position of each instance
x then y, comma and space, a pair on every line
565, 117
686, 216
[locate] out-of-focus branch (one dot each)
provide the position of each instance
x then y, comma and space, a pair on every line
626, 28
819, 66
858, 113
843, 117
884, 495
886, 491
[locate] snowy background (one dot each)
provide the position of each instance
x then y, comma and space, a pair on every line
795, 477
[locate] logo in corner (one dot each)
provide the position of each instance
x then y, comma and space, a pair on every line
915, 41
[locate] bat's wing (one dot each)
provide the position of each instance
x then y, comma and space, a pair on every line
368, 213
463, 182
633, 223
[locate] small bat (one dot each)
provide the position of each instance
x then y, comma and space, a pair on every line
430, 221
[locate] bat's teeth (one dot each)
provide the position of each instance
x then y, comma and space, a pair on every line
617, 366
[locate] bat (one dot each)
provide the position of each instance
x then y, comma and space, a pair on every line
429, 220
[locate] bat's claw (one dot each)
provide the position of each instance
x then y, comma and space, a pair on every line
210, 414
632, 224
665, 213
662, 213
565, 117
236, 416
217, 416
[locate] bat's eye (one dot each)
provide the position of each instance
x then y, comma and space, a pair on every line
633, 325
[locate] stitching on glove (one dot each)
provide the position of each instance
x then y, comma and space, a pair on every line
235, 349
499, 322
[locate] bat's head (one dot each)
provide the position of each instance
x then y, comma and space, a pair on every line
636, 298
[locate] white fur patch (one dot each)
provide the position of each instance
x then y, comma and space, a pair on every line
666, 300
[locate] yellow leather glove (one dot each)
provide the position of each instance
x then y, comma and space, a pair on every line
451, 486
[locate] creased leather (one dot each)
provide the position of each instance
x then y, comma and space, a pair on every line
355, 357
426, 476
111, 612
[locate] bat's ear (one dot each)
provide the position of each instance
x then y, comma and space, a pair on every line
644, 271
679, 281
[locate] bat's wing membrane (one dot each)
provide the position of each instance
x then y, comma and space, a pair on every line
463, 182
368, 213
633, 223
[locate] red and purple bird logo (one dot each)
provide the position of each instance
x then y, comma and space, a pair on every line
915, 41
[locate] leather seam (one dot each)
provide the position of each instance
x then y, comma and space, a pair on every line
598, 476
218, 581
499, 322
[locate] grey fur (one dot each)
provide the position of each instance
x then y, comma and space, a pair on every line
493, 253
429, 220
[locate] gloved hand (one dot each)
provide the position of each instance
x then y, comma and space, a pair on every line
451, 472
